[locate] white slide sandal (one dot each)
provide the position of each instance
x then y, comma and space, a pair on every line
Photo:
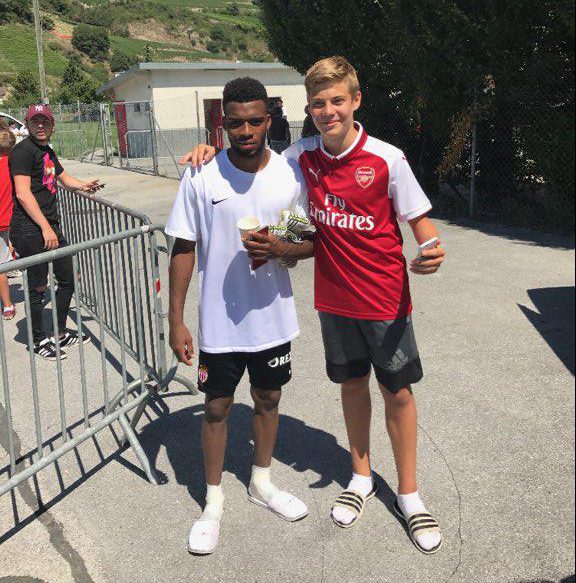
419, 523
204, 537
284, 505
354, 503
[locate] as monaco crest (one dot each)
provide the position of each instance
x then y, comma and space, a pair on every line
365, 176
202, 374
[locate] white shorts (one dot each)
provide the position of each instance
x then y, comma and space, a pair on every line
5, 254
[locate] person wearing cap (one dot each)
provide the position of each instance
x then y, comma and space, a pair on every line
35, 226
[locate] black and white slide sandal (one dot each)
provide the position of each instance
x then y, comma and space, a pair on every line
353, 502
419, 523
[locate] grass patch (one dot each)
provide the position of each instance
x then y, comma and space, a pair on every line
132, 46
179, 3
192, 3
71, 140
245, 19
18, 51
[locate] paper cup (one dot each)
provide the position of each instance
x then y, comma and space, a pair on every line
248, 225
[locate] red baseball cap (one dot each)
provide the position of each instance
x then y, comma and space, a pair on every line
41, 109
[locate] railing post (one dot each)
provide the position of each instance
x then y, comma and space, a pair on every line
154, 140
474, 156
473, 166
106, 137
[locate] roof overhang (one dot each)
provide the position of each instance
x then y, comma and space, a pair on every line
231, 66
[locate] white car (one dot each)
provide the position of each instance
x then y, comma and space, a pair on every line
18, 128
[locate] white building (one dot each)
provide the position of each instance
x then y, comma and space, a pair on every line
187, 98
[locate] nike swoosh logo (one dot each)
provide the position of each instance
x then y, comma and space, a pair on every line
216, 201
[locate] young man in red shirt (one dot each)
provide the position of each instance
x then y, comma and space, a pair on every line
7, 143
359, 189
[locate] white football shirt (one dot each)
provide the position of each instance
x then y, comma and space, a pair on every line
240, 310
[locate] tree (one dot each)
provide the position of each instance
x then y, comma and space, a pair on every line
424, 66
122, 61
15, 11
25, 89
92, 41
148, 53
61, 7
219, 33
76, 84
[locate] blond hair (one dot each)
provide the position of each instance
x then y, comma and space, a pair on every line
330, 71
7, 142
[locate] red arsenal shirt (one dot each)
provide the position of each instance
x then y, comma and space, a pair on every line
6, 203
356, 201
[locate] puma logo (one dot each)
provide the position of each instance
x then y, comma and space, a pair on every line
315, 173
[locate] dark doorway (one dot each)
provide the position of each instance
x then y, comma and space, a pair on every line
213, 115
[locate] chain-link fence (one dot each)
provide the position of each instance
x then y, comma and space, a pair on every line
499, 160
84, 131
507, 157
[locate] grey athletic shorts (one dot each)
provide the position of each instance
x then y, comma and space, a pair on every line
4, 248
353, 346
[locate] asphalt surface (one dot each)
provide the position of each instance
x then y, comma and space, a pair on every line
496, 460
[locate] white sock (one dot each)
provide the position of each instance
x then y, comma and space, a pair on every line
412, 504
362, 485
214, 504
261, 484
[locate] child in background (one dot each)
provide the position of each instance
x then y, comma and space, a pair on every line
7, 143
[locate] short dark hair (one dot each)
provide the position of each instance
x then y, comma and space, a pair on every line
244, 90
7, 142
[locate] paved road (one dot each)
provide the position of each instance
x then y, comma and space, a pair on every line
496, 332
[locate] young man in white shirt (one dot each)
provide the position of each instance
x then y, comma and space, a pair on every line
247, 315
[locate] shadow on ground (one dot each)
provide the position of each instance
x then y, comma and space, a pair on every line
554, 320
523, 235
300, 446
571, 579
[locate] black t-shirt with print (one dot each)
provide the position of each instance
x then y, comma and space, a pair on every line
42, 165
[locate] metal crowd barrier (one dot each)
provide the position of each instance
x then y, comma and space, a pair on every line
86, 217
115, 253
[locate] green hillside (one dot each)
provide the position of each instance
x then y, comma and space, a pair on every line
131, 30
18, 50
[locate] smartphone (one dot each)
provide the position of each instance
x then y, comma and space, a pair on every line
431, 244
99, 186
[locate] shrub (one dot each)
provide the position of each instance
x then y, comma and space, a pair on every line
48, 23
92, 41
120, 30
219, 33
216, 47
233, 9
121, 61
15, 11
